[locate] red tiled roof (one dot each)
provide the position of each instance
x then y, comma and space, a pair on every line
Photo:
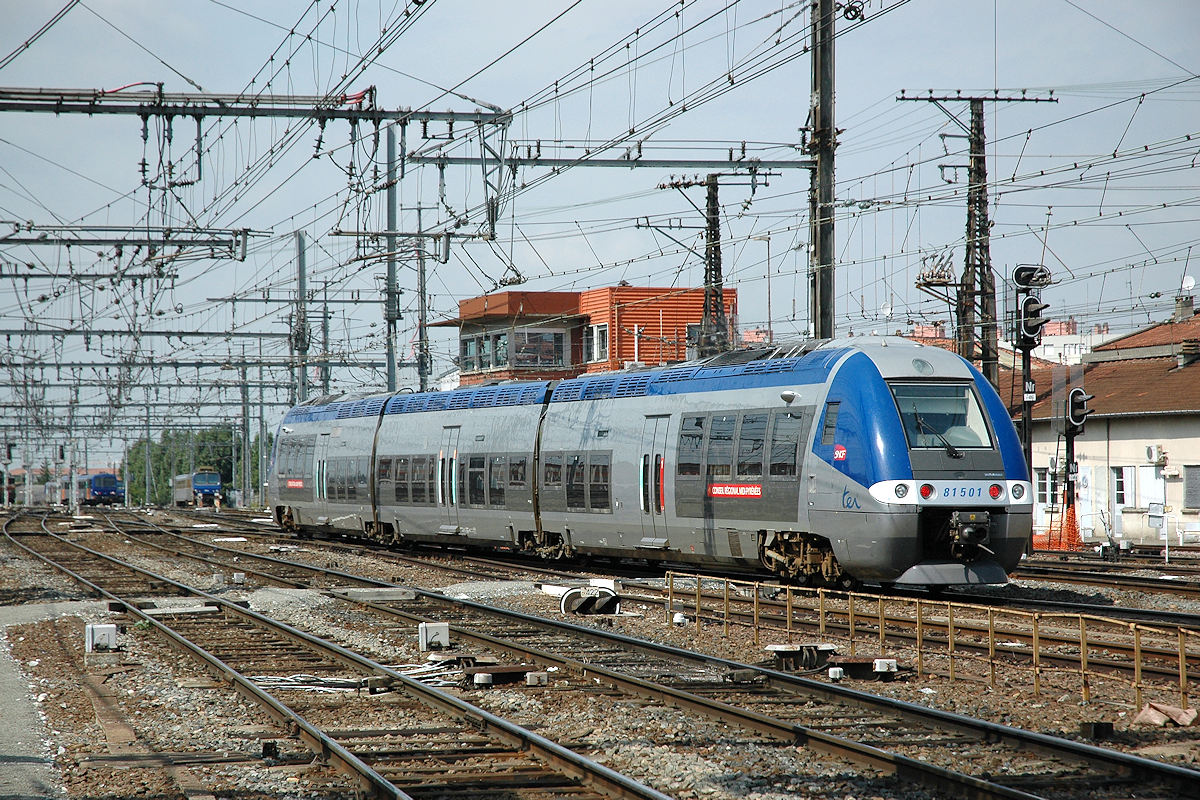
1130, 387
1156, 335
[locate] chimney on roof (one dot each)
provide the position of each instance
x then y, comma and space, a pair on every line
1183, 308
1189, 352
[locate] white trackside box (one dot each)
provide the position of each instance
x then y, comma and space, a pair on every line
433, 635
101, 636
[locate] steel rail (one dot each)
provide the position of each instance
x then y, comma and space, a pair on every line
316, 740
1186, 779
596, 776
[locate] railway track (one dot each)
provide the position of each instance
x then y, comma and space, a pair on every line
426, 744
965, 636
751, 697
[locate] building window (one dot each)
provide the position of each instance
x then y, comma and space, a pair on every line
1118, 492
539, 349
1191, 486
595, 343
1047, 486
468, 354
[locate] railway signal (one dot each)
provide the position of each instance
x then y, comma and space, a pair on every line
1077, 409
1031, 322
1031, 276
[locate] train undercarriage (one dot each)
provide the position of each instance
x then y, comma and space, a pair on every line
803, 560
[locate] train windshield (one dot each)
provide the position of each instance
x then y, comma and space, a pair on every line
207, 479
944, 415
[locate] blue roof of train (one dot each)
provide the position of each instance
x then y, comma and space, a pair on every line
813, 367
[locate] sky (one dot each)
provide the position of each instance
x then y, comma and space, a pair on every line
1100, 186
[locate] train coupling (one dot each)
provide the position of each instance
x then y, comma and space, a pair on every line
970, 527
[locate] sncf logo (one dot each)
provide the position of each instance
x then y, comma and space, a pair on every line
839, 452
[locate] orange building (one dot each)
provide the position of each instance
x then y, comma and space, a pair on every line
555, 335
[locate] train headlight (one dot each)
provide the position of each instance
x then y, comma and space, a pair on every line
995, 490
926, 491
1018, 491
901, 489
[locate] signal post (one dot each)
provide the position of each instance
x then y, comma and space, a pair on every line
1029, 278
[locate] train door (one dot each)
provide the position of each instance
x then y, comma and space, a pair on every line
447, 485
320, 485
652, 481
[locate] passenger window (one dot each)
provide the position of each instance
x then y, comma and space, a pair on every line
785, 444
751, 441
691, 446
598, 482
576, 490
385, 469
552, 471
720, 445
418, 479
829, 431
516, 472
401, 480
497, 470
475, 485
431, 467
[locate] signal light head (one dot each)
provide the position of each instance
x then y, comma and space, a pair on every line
1031, 320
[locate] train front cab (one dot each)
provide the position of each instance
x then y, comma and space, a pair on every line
920, 476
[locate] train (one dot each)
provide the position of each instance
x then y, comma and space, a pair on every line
103, 488
196, 489
824, 463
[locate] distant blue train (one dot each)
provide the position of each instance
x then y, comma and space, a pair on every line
199, 488
104, 489
868, 459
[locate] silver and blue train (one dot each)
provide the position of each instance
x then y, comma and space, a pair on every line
196, 489
870, 459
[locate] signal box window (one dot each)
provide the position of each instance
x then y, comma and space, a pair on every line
595, 343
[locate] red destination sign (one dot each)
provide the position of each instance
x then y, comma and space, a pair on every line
735, 490
295, 483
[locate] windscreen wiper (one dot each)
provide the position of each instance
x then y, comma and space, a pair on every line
923, 426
